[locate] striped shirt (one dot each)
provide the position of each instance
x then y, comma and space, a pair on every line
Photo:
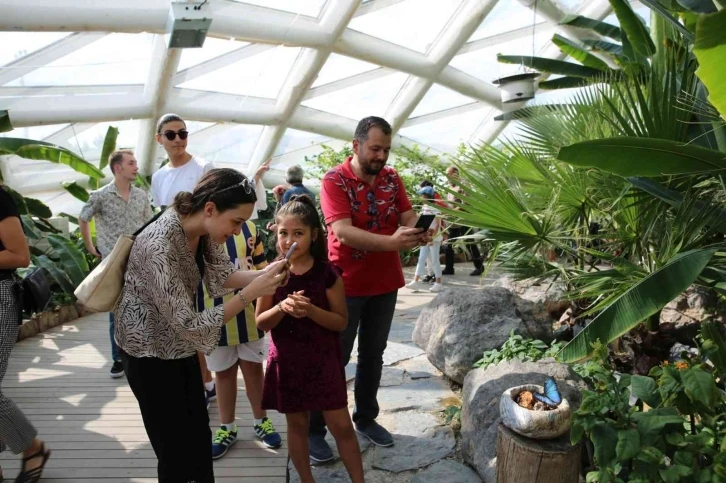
247, 252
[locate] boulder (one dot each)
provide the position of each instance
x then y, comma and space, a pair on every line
458, 325
480, 405
690, 307
551, 296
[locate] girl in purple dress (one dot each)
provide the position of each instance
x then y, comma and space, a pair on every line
305, 361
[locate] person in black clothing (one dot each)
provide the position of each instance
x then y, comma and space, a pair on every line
16, 432
456, 231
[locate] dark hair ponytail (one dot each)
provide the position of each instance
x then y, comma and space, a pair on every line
303, 208
225, 187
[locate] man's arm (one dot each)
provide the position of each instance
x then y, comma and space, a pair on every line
404, 238
90, 209
409, 218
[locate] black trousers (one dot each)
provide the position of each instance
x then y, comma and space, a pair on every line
471, 247
369, 318
171, 398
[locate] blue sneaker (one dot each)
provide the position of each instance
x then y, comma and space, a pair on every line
266, 432
211, 395
223, 439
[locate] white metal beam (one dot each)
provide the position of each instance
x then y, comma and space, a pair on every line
77, 91
164, 63
334, 20
351, 81
46, 55
457, 31
483, 43
452, 111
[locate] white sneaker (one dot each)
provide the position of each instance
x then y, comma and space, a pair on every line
436, 287
413, 285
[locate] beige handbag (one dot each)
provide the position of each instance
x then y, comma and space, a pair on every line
101, 289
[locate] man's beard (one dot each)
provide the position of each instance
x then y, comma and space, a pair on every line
369, 169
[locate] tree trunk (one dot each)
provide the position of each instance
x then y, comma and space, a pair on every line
526, 460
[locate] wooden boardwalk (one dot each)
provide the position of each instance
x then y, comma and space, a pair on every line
92, 423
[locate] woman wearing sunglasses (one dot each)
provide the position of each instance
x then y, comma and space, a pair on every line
158, 328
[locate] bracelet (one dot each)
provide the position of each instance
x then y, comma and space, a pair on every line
243, 299
279, 307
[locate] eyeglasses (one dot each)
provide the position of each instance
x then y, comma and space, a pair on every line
248, 186
171, 135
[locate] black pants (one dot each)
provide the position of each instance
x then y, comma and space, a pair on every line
471, 247
369, 318
171, 398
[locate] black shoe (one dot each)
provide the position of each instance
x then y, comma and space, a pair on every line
448, 271
319, 450
428, 279
476, 272
376, 433
117, 370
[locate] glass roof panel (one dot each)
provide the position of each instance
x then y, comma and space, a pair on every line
311, 8
89, 143
439, 98
229, 144
483, 64
295, 140
370, 98
212, 48
37, 133
414, 24
261, 75
19, 44
113, 59
505, 16
448, 133
339, 67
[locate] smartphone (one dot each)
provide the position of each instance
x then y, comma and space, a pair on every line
424, 222
290, 251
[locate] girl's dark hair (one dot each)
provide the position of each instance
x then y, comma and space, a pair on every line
225, 187
303, 208
166, 118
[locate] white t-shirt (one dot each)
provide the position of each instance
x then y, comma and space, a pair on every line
436, 224
169, 181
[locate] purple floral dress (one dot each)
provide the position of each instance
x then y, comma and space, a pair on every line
305, 362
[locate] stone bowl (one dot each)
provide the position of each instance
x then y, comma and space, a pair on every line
533, 424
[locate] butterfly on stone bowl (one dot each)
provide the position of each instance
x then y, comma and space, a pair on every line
551, 397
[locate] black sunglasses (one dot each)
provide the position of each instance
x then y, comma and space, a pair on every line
171, 135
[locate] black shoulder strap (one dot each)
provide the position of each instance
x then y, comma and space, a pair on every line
152, 220
199, 257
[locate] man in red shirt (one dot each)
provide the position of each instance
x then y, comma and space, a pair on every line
369, 219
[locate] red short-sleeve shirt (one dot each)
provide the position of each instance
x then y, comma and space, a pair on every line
376, 209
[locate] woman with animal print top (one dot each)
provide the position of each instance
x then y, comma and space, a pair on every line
159, 329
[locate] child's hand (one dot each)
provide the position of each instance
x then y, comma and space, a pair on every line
296, 304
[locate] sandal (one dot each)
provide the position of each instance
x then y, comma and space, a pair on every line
32, 476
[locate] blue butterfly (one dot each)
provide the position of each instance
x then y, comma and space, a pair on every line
551, 396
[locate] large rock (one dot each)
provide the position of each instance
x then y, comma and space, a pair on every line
458, 325
480, 405
690, 307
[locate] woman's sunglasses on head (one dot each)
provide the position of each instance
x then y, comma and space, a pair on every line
171, 135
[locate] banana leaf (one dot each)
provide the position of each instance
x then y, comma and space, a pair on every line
604, 29
644, 299
566, 82
29, 149
29, 228
634, 156
71, 218
109, 146
710, 50
56, 273
602, 46
634, 28
714, 347
76, 190
70, 258
578, 53
698, 6
550, 65
660, 10
5, 124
